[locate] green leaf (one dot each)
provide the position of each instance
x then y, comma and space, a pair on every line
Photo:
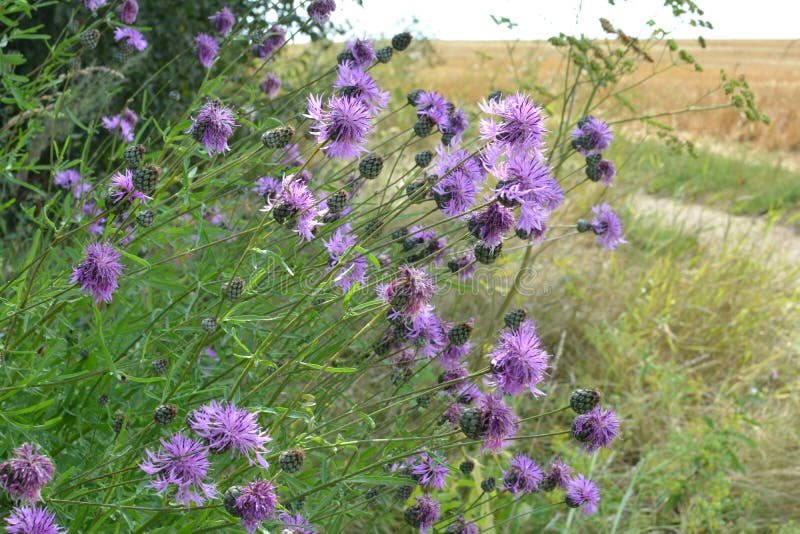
328, 369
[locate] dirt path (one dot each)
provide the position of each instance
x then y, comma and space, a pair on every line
713, 226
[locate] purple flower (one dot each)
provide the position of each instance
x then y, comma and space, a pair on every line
67, 179
122, 186
223, 20
454, 375
558, 476
524, 178
607, 171
591, 135
207, 49
295, 524
430, 470
596, 429
519, 362
358, 84
363, 52
427, 332
462, 526
213, 126
132, 37
516, 123
256, 503
274, 40
94, 4
32, 520
434, 106
424, 514
464, 265
491, 223
98, 271
227, 427
455, 126
342, 126
453, 413
582, 492
128, 11
24, 475
607, 226
124, 121
266, 187
320, 10
183, 462
351, 272
452, 355
456, 191
498, 419
523, 475
271, 85
296, 200
532, 222
409, 293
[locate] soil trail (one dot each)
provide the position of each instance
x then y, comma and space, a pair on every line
714, 226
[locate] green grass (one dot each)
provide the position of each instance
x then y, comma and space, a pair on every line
744, 184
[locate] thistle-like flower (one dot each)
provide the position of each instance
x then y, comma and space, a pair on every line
430, 470
131, 37
519, 362
354, 82
461, 178
515, 123
342, 125
294, 202
223, 20
607, 226
498, 419
557, 477
491, 223
409, 293
24, 475
363, 52
424, 514
125, 122
320, 10
523, 476
97, 273
128, 11
207, 49
353, 271
34, 519
183, 462
462, 526
591, 135
596, 429
253, 504
271, 85
295, 524
582, 492
213, 126
274, 40
227, 427
94, 4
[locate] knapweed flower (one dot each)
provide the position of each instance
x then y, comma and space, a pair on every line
523, 475
410, 292
354, 82
207, 49
295, 524
491, 223
254, 503
582, 492
516, 123
131, 37
227, 427
607, 226
557, 477
94, 4
274, 39
320, 10
351, 272
519, 362
271, 85
464, 265
427, 333
429, 470
342, 125
607, 171
454, 127
223, 20
24, 475
266, 187
97, 273
524, 179
70, 179
462, 526
213, 126
424, 514
452, 355
498, 419
295, 203
125, 121
32, 520
434, 106
453, 413
128, 11
363, 52
595, 429
122, 186
461, 176
591, 135
183, 462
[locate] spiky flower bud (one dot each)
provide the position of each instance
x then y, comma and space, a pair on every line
233, 289
401, 41
496, 95
282, 212
371, 166
424, 158
145, 218
159, 366
229, 501
103, 400
119, 420
607, 26
164, 414
486, 254
584, 400
424, 401
90, 38
514, 318
416, 190
209, 324
345, 55
146, 178
292, 460
488, 484
278, 137
373, 227
384, 54
400, 375
399, 233
459, 334
337, 202
133, 155
472, 424
413, 96
466, 466
402, 493
583, 225
424, 126
371, 495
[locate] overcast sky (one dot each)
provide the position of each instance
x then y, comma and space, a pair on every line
540, 19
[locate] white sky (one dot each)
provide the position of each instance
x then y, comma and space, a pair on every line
470, 20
